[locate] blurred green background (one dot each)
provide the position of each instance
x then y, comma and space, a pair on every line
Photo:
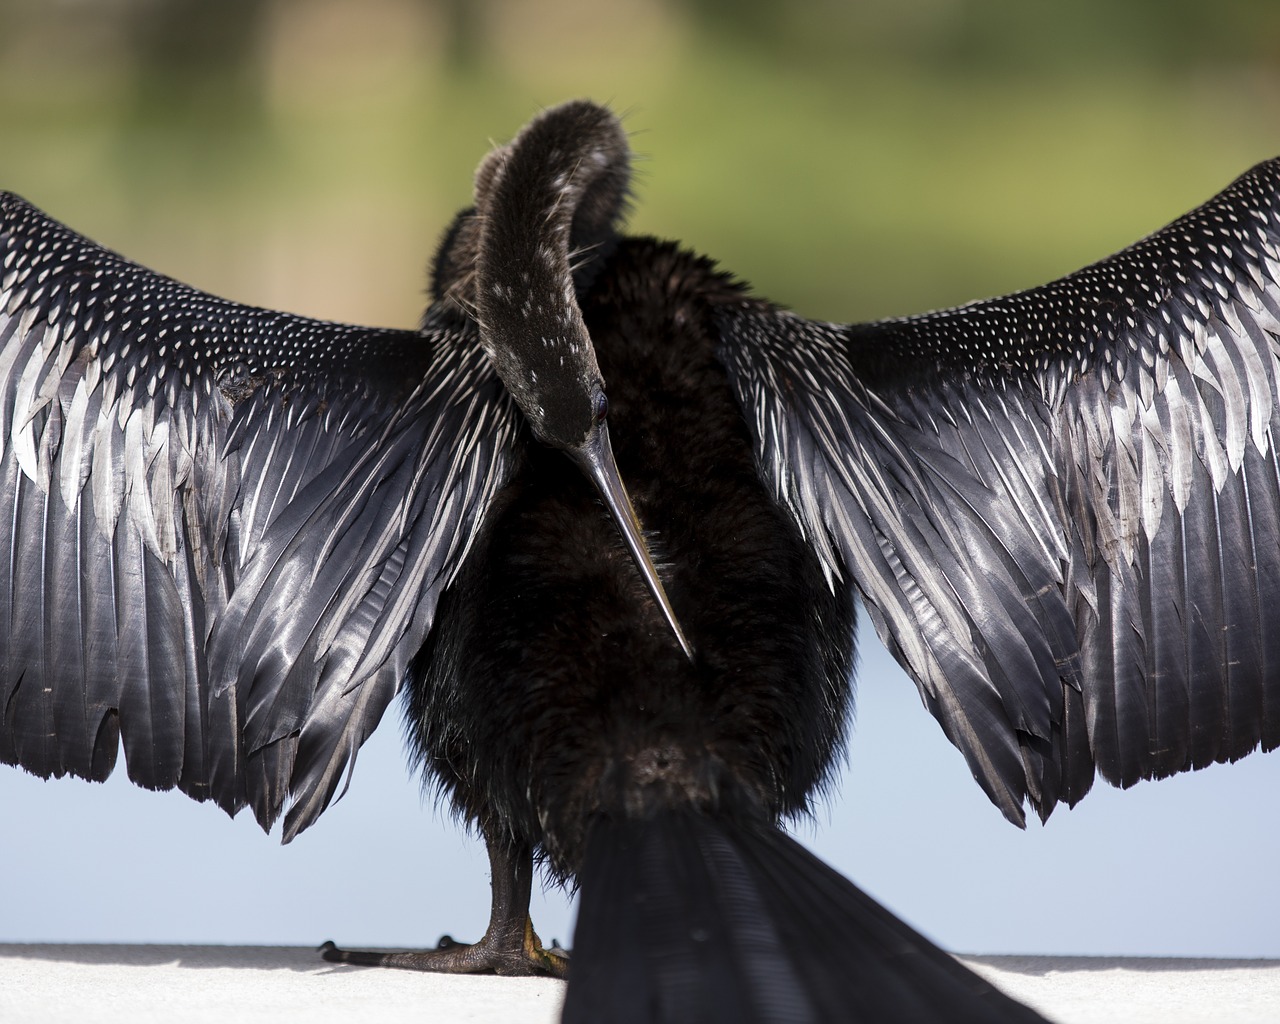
851, 160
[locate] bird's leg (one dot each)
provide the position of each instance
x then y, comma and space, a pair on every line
510, 946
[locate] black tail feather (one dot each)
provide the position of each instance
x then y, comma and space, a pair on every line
687, 918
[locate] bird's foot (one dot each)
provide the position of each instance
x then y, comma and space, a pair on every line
510, 954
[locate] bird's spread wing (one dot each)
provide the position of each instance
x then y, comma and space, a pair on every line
223, 530
1062, 507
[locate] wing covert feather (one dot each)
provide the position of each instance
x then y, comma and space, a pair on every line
1062, 507
223, 530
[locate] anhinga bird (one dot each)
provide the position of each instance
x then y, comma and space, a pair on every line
229, 536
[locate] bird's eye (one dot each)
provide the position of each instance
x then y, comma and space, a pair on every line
602, 406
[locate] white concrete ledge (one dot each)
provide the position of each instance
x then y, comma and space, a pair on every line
100, 984
1139, 990
56, 984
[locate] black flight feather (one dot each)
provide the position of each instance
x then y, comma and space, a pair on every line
234, 489
1104, 518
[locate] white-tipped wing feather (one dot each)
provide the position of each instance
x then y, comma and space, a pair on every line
1063, 506
223, 530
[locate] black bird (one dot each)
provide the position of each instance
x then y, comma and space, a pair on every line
229, 536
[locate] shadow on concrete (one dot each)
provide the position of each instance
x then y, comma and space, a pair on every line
306, 960
1044, 965
263, 958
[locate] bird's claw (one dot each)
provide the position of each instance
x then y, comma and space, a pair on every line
509, 955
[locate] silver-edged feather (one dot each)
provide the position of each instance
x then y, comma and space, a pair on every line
223, 530
1059, 504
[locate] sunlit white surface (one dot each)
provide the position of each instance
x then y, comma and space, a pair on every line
248, 984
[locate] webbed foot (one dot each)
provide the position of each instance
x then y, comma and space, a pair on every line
510, 946
510, 954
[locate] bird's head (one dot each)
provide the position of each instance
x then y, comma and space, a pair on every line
544, 202
546, 207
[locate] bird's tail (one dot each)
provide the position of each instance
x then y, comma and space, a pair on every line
693, 919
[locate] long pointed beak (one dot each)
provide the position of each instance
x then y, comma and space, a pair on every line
596, 459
